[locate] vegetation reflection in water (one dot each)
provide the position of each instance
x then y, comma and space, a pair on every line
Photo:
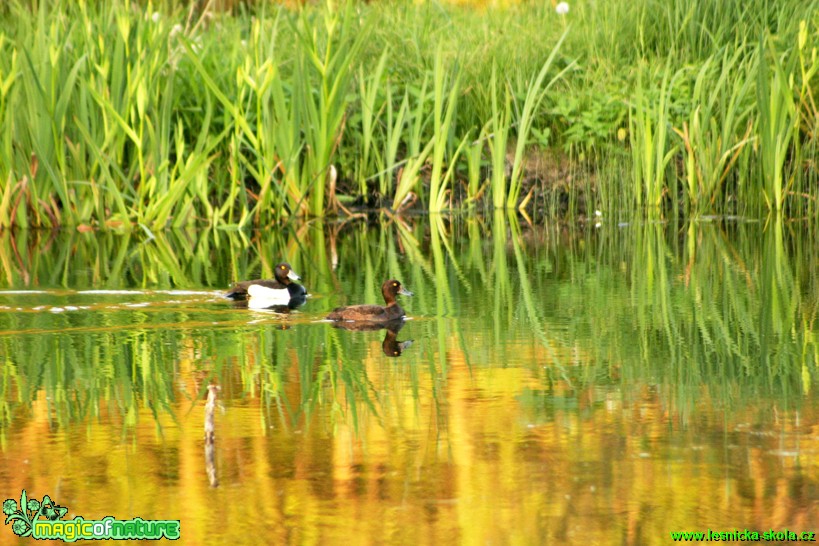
607, 385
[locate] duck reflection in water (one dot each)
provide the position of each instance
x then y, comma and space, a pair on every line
390, 346
284, 308
294, 303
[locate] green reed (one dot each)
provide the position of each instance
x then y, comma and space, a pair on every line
694, 35
474, 156
410, 175
535, 93
369, 88
97, 115
499, 125
444, 89
265, 120
778, 121
326, 50
393, 131
651, 146
117, 117
718, 128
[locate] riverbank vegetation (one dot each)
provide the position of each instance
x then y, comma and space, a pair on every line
117, 114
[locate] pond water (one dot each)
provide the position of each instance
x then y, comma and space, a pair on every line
571, 384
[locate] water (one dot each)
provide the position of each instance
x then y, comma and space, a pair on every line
564, 383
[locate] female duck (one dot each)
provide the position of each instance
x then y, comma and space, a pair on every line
279, 291
375, 313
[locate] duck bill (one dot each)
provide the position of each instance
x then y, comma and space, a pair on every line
292, 276
405, 292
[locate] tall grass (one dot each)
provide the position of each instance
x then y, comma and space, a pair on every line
445, 92
535, 93
778, 121
718, 128
369, 87
651, 146
499, 127
117, 115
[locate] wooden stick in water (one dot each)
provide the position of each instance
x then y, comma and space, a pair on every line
210, 462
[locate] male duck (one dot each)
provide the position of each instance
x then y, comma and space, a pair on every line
264, 293
375, 313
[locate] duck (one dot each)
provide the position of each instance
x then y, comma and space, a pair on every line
262, 293
374, 313
282, 307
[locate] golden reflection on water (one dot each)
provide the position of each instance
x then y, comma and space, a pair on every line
586, 429
464, 464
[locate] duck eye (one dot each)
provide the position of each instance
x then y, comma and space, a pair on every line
395, 284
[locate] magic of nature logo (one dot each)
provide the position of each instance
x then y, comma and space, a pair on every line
43, 520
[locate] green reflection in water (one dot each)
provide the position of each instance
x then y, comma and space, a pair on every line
563, 383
